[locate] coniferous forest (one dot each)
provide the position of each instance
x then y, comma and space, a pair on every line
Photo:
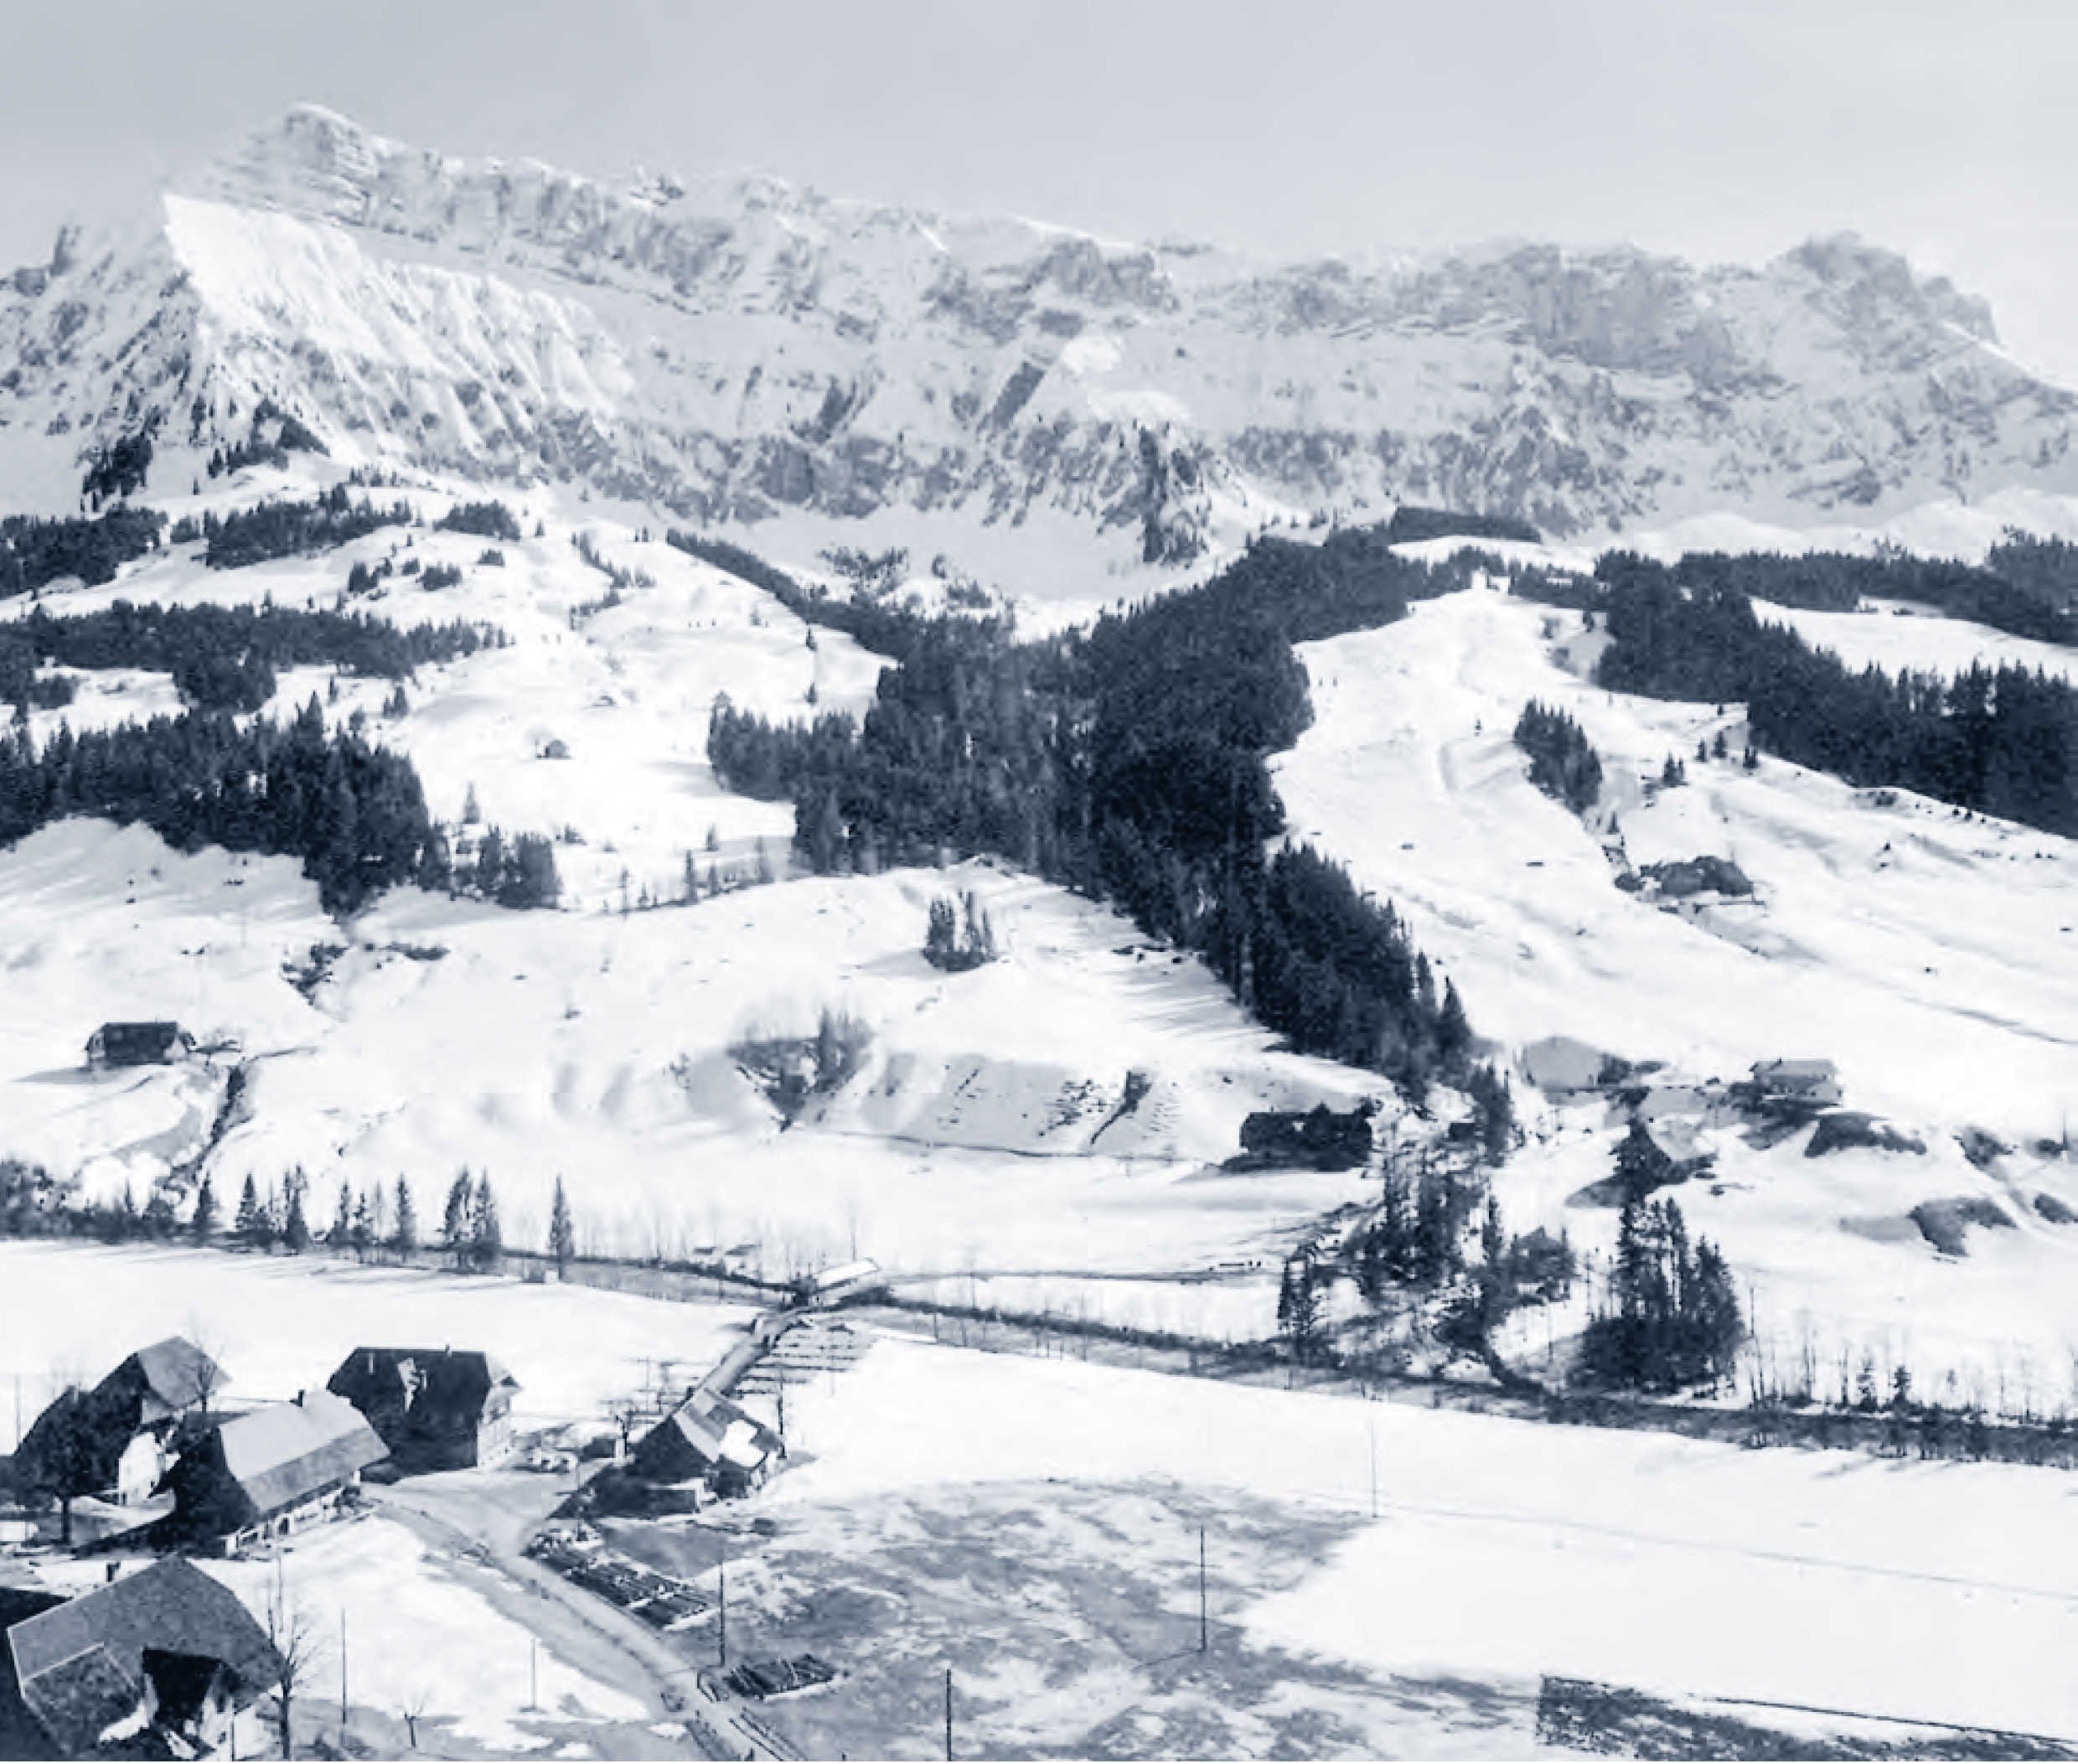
355, 814
1130, 761
2001, 742
34, 552
224, 658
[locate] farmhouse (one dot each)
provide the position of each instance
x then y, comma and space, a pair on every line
118, 1438
269, 1472
708, 1439
1800, 1082
435, 1409
137, 1044
164, 1651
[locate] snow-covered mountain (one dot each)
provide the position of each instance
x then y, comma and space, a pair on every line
736, 350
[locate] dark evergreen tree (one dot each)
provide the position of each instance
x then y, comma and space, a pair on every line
562, 1234
404, 1236
487, 1238
457, 1224
202, 1223
1299, 1306
252, 1226
295, 1227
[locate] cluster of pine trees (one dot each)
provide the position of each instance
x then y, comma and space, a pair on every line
35, 552
2001, 742
273, 529
1564, 763
1676, 1319
490, 519
355, 814
1130, 761
469, 1230
519, 872
2026, 586
225, 658
119, 467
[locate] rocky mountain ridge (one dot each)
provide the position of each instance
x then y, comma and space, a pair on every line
737, 351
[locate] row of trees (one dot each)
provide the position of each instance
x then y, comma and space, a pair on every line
247, 537
371, 1221
2000, 741
225, 658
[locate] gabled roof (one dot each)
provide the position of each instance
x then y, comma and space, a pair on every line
714, 1429
445, 1379
176, 1375
288, 1452
79, 1665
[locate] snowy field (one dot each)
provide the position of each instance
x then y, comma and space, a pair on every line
987, 1127
1899, 640
1505, 1549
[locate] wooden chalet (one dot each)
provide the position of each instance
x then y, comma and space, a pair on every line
138, 1044
269, 1472
708, 1439
435, 1409
165, 1651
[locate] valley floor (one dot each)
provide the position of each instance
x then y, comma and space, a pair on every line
1380, 1579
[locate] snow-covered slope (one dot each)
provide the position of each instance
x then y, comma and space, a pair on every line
1933, 958
1048, 408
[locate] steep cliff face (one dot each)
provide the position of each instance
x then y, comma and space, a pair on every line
735, 349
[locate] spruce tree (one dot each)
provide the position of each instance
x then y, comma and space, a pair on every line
250, 1226
1299, 1306
360, 1231
295, 1227
405, 1239
457, 1222
562, 1234
343, 1220
487, 1238
202, 1226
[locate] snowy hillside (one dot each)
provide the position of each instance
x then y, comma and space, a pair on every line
1934, 959
1048, 409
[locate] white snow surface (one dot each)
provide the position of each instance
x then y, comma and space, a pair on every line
1504, 1548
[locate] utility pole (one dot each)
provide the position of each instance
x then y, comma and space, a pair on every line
949, 1712
1204, 1639
1373, 1423
721, 1569
534, 1672
343, 1676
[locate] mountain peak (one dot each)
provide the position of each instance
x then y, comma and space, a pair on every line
1848, 265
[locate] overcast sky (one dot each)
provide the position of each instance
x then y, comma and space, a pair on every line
1727, 130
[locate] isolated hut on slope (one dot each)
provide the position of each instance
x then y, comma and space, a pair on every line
434, 1408
269, 1472
164, 1650
708, 1439
138, 1044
